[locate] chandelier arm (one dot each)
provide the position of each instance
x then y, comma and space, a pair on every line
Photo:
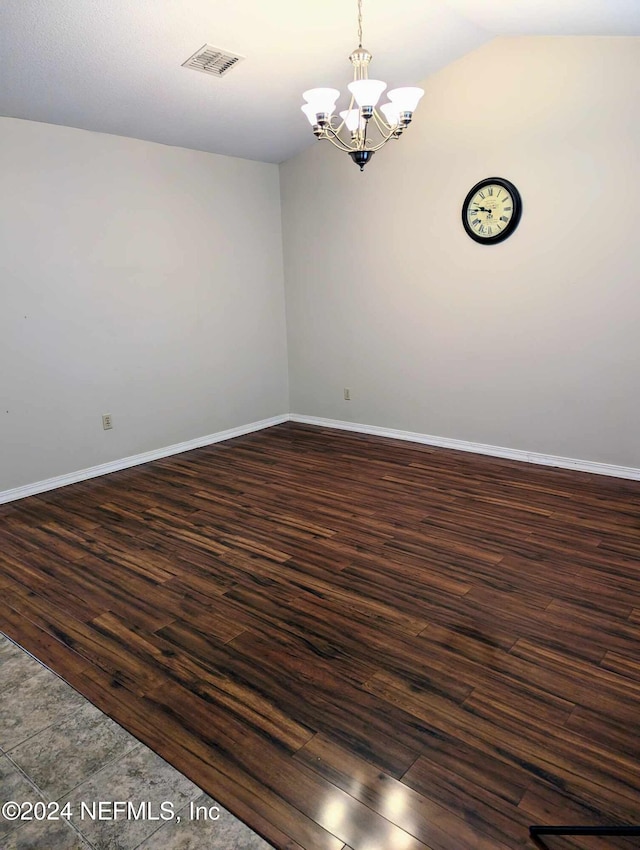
363, 144
382, 143
335, 132
386, 137
332, 134
370, 144
381, 124
338, 129
337, 142
386, 131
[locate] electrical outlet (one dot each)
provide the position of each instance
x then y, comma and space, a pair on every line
347, 394
107, 422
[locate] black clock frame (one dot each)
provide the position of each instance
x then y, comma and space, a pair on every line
509, 227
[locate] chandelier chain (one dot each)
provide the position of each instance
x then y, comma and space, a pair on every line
359, 23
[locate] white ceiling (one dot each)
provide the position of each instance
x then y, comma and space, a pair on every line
114, 66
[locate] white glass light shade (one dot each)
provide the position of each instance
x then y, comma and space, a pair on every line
322, 100
391, 113
351, 118
405, 99
367, 92
310, 112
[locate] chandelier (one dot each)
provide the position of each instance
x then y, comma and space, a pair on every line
363, 129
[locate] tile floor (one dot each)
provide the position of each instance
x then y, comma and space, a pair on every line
56, 748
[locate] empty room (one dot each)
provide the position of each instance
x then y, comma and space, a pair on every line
319, 425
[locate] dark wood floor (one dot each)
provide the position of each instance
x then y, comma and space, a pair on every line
352, 642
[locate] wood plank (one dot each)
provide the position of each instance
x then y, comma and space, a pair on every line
394, 799
162, 729
351, 642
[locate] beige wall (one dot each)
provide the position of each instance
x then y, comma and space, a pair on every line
146, 281
138, 280
531, 344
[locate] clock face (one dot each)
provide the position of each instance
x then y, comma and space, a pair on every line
491, 210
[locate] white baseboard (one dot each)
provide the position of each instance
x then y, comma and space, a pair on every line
135, 460
629, 472
478, 448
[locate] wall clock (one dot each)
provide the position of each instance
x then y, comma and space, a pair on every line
491, 210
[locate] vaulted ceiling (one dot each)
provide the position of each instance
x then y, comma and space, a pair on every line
114, 66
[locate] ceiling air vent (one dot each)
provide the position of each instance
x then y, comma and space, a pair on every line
212, 60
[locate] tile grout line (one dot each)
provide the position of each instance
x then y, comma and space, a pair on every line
162, 825
43, 798
94, 777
